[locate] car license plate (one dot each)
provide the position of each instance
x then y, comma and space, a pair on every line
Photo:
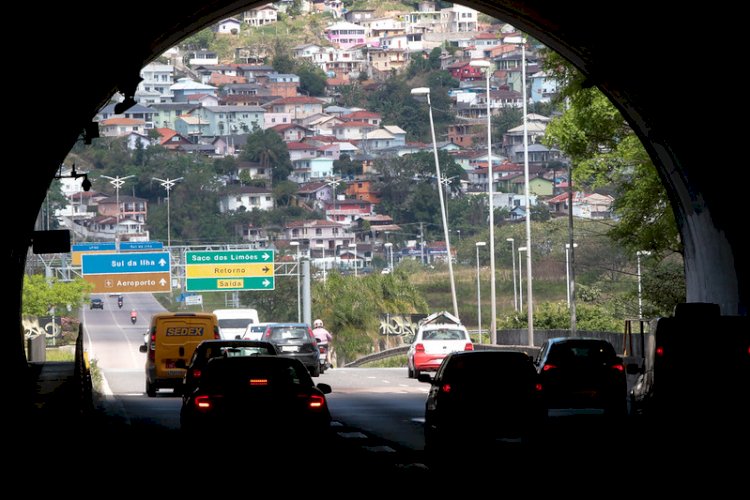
290, 348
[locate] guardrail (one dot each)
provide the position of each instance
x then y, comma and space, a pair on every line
396, 351
82, 376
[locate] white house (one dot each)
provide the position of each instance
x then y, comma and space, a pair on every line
156, 83
118, 127
229, 26
246, 198
186, 87
307, 169
231, 119
261, 15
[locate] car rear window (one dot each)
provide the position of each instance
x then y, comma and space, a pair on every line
228, 352
580, 352
234, 322
444, 334
489, 369
281, 333
254, 372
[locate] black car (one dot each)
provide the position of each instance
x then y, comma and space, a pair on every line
582, 373
481, 397
272, 393
209, 349
96, 303
295, 340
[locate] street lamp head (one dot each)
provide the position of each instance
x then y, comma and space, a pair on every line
389, 244
420, 91
521, 249
479, 63
510, 239
481, 243
514, 40
567, 245
643, 252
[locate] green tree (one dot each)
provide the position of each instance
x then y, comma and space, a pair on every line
284, 192
266, 147
40, 294
282, 61
345, 166
312, 79
351, 307
607, 153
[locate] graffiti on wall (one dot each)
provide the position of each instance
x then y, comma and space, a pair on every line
400, 324
42, 325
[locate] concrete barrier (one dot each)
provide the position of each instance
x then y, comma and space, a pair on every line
36, 348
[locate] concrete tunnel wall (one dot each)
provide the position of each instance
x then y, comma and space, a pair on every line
649, 62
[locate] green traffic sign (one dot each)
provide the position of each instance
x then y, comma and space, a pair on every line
228, 284
229, 257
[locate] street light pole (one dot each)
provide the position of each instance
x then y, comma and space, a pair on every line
479, 293
117, 182
491, 205
520, 278
640, 301
168, 184
389, 247
299, 294
426, 91
354, 246
325, 271
567, 269
513, 258
529, 298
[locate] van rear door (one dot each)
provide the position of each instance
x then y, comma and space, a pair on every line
176, 339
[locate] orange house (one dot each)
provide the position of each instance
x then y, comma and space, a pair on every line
362, 190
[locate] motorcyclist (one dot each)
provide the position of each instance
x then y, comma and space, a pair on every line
119, 301
133, 316
323, 336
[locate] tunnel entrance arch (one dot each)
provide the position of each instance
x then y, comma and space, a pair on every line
641, 75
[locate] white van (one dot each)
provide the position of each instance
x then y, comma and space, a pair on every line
233, 322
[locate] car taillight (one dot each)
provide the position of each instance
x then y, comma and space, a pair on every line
547, 367
446, 388
268, 333
202, 402
419, 347
469, 346
660, 351
196, 374
538, 387
255, 382
316, 401
618, 367
152, 345
310, 333
217, 335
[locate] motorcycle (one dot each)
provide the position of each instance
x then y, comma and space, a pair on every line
323, 349
133, 319
119, 302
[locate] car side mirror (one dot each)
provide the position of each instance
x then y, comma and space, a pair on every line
425, 377
143, 348
633, 369
324, 388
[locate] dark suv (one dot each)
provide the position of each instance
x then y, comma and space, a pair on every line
96, 303
295, 340
582, 373
478, 397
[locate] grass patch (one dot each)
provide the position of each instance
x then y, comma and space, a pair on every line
392, 362
60, 354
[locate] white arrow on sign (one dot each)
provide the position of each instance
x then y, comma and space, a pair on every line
162, 262
266, 256
163, 282
266, 282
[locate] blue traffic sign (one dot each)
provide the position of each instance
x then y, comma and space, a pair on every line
118, 263
129, 246
92, 247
